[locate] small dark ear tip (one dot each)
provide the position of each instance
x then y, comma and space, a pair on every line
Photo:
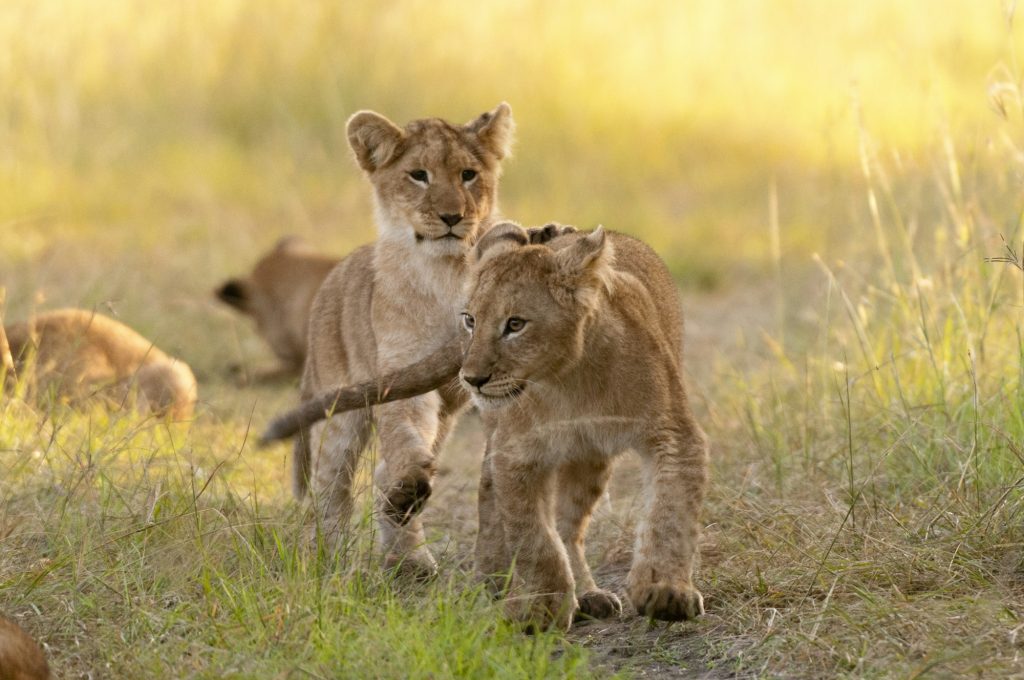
232, 292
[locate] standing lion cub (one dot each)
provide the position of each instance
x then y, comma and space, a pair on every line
573, 354
390, 303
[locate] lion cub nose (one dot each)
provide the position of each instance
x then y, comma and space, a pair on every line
477, 381
451, 219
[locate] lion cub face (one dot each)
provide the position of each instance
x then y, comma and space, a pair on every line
528, 310
435, 183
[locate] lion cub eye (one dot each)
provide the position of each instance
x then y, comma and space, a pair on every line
514, 325
419, 175
469, 175
468, 321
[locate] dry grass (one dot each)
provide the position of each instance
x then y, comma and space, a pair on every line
837, 202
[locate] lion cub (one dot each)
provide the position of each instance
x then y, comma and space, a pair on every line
391, 303
20, 655
278, 295
79, 354
573, 354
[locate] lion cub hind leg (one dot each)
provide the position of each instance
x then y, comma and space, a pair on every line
579, 487
523, 497
660, 582
335, 445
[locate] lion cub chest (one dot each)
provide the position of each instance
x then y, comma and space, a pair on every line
562, 436
415, 305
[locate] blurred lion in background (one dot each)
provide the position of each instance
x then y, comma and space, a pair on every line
277, 295
20, 655
77, 355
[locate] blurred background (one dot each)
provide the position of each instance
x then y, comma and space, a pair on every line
149, 150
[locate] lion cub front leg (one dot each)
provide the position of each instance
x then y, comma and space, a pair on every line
493, 563
408, 430
523, 496
580, 485
660, 582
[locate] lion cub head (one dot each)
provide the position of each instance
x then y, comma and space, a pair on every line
528, 310
435, 183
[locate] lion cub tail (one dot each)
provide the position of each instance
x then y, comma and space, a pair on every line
426, 375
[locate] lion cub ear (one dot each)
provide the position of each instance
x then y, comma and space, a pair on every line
501, 238
235, 294
584, 267
495, 130
585, 254
374, 139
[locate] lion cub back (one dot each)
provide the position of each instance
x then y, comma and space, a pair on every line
278, 295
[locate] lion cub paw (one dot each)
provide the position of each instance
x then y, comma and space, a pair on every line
552, 611
406, 498
413, 567
598, 604
666, 602
548, 232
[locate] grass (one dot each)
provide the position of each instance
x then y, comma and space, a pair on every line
842, 207
132, 542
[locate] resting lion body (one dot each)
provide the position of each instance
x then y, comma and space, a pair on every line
278, 295
391, 303
78, 354
573, 354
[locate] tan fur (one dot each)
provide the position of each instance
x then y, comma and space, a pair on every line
78, 354
278, 295
394, 302
6, 360
20, 655
596, 369
429, 373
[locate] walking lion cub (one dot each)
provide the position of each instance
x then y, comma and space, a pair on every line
572, 351
391, 303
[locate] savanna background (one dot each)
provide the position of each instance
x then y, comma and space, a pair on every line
827, 181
